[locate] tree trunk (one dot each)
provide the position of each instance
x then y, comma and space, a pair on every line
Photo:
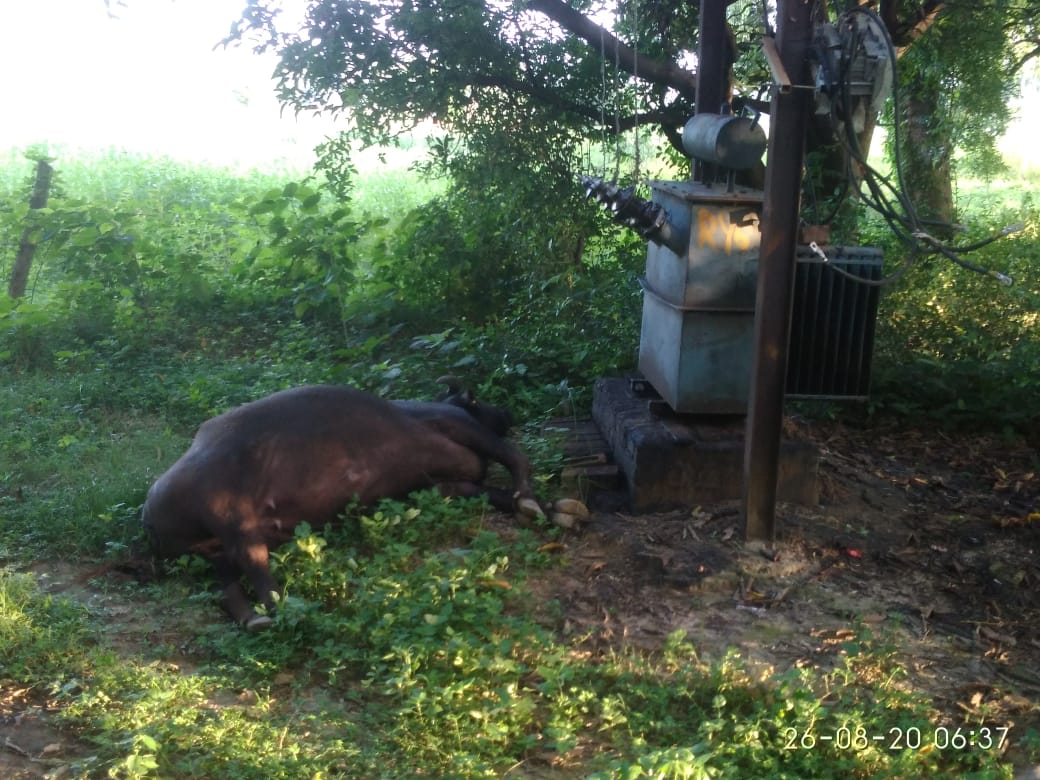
27, 247
926, 160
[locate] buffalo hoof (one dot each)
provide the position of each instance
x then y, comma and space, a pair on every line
527, 507
258, 623
570, 514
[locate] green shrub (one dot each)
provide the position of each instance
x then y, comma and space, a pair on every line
956, 347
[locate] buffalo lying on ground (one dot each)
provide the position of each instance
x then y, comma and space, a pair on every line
254, 473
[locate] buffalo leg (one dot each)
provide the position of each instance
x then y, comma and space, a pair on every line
248, 555
232, 595
491, 447
502, 500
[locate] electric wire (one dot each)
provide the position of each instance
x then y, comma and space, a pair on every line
617, 100
603, 98
888, 199
637, 91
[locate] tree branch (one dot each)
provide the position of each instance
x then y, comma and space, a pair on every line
1022, 60
905, 31
666, 74
668, 117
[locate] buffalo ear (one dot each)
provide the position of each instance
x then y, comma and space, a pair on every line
453, 383
467, 397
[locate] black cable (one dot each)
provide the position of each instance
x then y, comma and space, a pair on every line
898, 211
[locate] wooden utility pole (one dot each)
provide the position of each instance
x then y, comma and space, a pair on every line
788, 122
27, 247
714, 61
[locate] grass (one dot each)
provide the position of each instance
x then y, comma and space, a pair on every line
409, 643
413, 661
72, 474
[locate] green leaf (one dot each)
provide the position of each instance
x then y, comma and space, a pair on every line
262, 207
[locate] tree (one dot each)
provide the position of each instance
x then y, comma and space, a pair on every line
955, 91
521, 89
592, 65
466, 65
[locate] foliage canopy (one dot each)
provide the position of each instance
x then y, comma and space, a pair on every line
555, 74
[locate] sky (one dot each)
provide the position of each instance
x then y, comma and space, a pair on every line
148, 80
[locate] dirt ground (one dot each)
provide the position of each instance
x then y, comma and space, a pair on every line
928, 539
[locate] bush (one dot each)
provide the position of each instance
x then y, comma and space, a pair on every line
956, 347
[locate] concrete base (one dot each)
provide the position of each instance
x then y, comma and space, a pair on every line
672, 461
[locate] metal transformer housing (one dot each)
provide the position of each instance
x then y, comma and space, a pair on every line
698, 309
697, 341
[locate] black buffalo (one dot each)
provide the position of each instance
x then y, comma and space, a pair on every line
254, 473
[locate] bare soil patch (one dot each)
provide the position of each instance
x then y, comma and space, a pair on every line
931, 541
34, 743
30, 745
